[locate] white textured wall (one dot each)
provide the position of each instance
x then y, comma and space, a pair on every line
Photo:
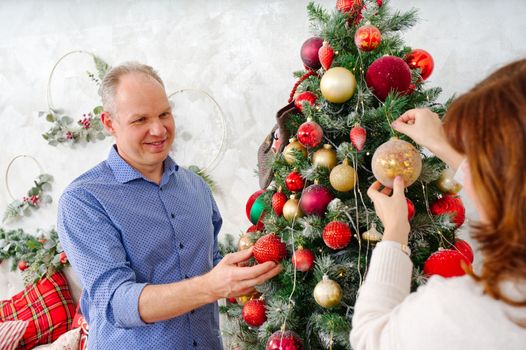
241, 51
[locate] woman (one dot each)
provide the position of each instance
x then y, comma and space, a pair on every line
484, 139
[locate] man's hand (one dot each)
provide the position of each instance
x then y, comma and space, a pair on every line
228, 280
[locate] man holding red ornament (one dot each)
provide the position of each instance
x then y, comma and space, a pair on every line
141, 232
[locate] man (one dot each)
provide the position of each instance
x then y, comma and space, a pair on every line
141, 232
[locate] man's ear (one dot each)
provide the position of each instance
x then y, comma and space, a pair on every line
107, 122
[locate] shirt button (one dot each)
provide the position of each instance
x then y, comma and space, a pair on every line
181, 245
160, 188
195, 343
173, 216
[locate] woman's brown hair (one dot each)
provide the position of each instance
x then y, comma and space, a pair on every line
488, 125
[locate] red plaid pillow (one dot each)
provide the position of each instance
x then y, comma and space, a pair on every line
48, 307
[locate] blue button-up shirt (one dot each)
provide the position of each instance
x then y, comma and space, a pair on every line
121, 232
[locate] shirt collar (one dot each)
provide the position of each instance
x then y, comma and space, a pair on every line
124, 172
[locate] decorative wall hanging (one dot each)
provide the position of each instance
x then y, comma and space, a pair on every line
36, 196
65, 129
200, 121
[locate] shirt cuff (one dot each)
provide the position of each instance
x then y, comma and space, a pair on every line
126, 305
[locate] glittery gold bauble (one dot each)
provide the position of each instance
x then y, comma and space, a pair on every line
343, 177
242, 300
246, 241
327, 293
446, 182
325, 157
396, 158
337, 85
291, 209
372, 235
288, 150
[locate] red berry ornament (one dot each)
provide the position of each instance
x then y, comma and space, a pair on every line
63, 258
451, 206
254, 312
303, 259
464, 249
326, 55
22, 265
269, 248
305, 96
309, 53
421, 59
445, 263
278, 202
349, 6
410, 209
294, 182
367, 37
337, 235
358, 137
388, 73
310, 134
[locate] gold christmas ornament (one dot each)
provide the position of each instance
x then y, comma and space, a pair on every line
327, 293
245, 241
291, 209
325, 157
343, 177
242, 300
372, 235
446, 182
293, 145
337, 85
396, 158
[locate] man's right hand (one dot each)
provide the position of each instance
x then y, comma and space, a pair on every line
228, 280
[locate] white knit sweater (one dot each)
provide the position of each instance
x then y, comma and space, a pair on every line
445, 314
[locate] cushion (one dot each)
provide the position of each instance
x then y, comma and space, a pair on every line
48, 307
80, 322
10, 334
67, 341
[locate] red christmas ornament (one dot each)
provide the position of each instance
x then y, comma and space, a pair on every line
63, 258
464, 249
303, 259
254, 312
287, 340
310, 134
337, 235
314, 199
231, 300
294, 182
422, 59
269, 248
388, 73
445, 263
22, 265
251, 201
410, 209
358, 136
309, 52
258, 227
452, 206
278, 201
367, 37
349, 6
306, 96
326, 55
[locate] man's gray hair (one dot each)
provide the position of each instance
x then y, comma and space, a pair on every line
111, 80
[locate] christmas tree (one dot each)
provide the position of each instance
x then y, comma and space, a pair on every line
313, 214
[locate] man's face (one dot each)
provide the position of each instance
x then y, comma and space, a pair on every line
142, 124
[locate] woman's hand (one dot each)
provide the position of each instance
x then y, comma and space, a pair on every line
425, 128
392, 210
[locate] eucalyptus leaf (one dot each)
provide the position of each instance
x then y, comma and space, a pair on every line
97, 110
46, 199
56, 260
49, 244
66, 120
46, 186
50, 118
26, 212
42, 269
45, 178
100, 136
53, 143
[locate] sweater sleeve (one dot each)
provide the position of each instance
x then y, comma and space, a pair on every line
386, 285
